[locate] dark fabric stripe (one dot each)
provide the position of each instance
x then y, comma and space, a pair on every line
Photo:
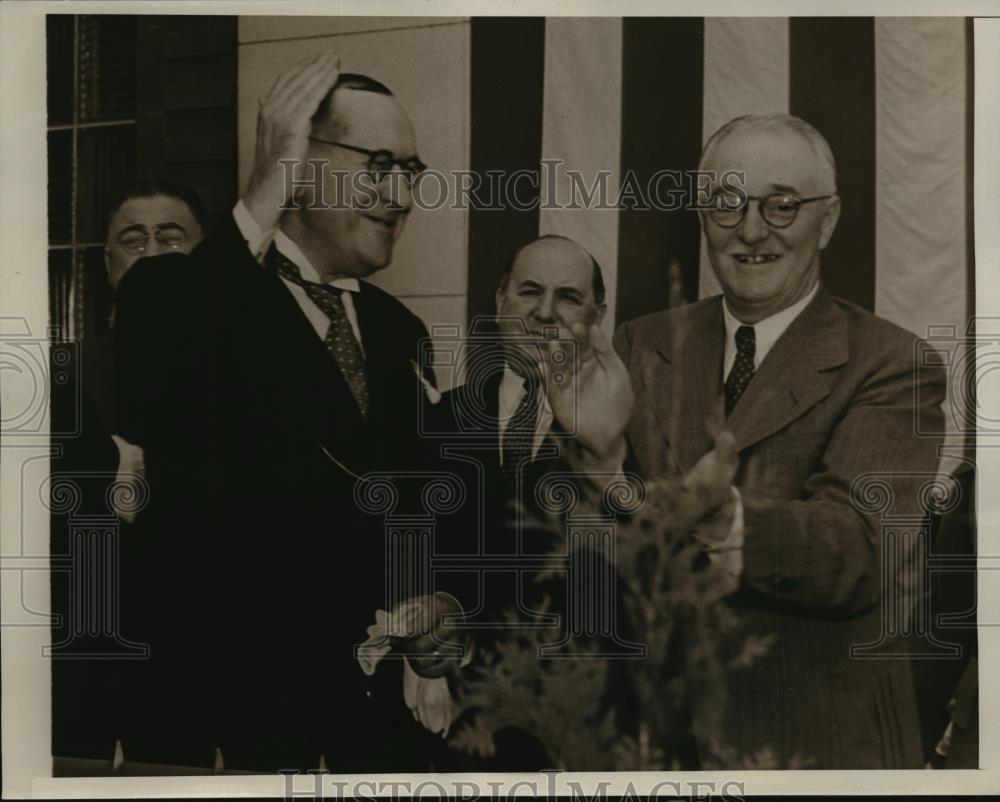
508, 63
662, 74
832, 66
970, 160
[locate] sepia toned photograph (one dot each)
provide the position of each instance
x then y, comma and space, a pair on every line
496, 395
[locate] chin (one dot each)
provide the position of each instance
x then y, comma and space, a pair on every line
373, 262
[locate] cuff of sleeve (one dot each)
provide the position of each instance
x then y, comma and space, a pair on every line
256, 238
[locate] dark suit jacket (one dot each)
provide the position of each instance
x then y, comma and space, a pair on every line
836, 398
490, 523
255, 575
84, 457
513, 537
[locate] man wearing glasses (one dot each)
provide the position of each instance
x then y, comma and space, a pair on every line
817, 393
148, 218
280, 379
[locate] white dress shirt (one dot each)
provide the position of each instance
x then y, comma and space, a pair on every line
766, 331
258, 241
511, 392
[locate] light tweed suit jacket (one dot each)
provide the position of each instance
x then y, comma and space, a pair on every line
838, 402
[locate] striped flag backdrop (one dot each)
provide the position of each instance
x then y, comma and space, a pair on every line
643, 94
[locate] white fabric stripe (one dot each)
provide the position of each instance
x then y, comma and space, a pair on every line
746, 72
920, 187
583, 94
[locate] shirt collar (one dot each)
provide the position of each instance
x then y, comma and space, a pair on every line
287, 247
768, 330
511, 391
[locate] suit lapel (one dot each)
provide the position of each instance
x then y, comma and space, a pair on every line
790, 380
686, 382
389, 375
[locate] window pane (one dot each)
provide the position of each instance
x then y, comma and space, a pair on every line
106, 159
60, 186
107, 67
97, 290
60, 291
59, 49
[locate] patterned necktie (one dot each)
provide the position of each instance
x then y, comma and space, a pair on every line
519, 436
340, 339
742, 372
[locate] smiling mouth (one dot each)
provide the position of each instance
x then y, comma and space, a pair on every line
756, 259
386, 224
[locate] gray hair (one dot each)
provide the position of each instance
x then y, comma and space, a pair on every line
771, 122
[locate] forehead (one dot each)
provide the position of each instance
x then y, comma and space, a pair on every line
152, 211
554, 263
769, 159
370, 120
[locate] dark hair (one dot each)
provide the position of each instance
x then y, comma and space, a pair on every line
150, 187
349, 80
598, 279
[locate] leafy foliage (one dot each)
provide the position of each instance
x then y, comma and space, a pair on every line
591, 715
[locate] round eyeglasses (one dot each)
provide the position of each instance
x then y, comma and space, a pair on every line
381, 162
778, 210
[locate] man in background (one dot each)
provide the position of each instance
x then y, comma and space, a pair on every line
148, 217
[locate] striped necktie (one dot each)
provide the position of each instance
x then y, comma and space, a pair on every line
340, 339
519, 436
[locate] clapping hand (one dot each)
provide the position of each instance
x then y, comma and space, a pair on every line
284, 123
590, 394
711, 482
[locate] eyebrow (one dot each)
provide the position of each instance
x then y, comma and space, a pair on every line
562, 288
786, 188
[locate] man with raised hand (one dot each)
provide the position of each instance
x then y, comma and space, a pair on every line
820, 396
285, 379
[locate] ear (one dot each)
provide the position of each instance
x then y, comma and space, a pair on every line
498, 299
601, 311
831, 214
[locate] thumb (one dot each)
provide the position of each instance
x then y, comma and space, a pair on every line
600, 342
725, 446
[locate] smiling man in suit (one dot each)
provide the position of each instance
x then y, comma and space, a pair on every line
817, 393
287, 377
548, 286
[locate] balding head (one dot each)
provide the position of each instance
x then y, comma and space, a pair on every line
559, 242
550, 282
355, 230
774, 124
765, 251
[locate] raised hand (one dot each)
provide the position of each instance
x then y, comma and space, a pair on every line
711, 481
591, 394
283, 128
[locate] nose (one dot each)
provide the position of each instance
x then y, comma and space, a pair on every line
545, 311
396, 190
154, 247
753, 228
